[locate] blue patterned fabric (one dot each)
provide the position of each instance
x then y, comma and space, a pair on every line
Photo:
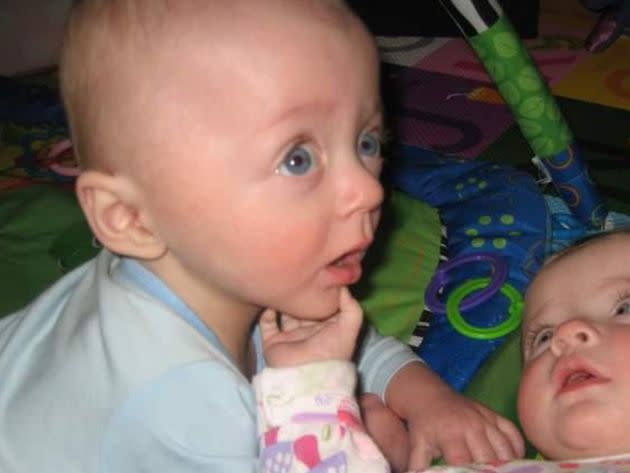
484, 207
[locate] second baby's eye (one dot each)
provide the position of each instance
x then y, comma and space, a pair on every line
623, 308
369, 144
299, 161
542, 339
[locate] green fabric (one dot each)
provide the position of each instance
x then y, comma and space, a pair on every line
400, 265
496, 383
42, 235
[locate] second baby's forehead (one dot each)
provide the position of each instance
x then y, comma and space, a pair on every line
587, 268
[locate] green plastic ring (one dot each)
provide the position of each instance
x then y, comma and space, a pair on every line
454, 316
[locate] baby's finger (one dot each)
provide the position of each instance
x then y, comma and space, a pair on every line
420, 458
268, 324
480, 447
350, 312
514, 436
456, 452
288, 323
501, 444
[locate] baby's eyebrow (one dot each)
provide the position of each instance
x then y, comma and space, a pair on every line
524, 339
529, 327
526, 335
299, 109
378, 109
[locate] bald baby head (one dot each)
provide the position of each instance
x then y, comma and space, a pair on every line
122, 57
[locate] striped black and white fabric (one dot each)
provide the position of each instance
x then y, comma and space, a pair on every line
419, 332
473, 16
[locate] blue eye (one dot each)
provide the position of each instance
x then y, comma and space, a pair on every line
539, 341
542, 337
369, 144
623, 308
297, 162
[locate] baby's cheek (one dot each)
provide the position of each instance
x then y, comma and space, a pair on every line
531, 398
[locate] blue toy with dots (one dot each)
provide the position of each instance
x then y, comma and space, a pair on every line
486, 208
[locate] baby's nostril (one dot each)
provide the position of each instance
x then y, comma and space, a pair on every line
582, 337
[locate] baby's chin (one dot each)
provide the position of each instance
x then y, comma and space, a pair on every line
568, 454
318, 307
586, 443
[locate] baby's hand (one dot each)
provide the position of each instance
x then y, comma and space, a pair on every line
289, 341
461, 431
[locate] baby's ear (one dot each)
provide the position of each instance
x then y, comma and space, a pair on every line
116, 215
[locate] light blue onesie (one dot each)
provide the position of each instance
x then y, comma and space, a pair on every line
109, 371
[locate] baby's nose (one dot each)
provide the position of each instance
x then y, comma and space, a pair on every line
573, 334
360, 190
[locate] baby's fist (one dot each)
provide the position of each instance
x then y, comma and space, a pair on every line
290, 341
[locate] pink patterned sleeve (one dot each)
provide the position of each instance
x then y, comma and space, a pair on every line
309, 421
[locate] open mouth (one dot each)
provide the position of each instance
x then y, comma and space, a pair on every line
348, 259
578, 378
347, 268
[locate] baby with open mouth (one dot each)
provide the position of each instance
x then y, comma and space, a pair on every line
574, 396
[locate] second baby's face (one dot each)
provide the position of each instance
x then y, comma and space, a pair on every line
574, 398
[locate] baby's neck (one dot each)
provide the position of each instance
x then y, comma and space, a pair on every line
230, 320
237, 340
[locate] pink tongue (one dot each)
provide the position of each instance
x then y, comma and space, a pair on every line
344, 260
340, 262
576, 378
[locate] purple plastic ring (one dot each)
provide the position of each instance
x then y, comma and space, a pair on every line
441, 278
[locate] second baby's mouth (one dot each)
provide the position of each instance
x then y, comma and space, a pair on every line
579, 378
